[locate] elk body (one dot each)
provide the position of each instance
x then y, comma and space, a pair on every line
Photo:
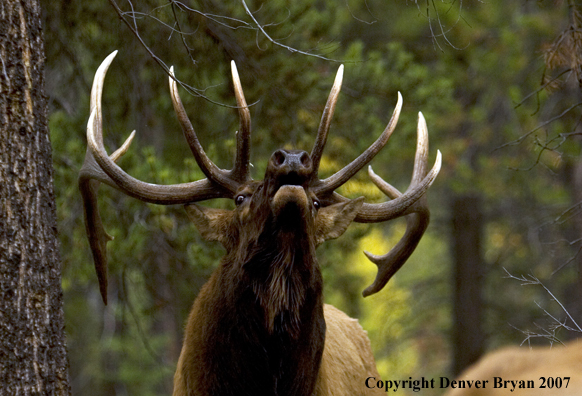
259, 326
551, 371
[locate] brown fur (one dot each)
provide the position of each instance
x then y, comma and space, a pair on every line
347, 358
346, 362
523, 363
259, 326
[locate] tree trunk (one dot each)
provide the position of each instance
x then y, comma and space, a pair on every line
33, 358
574, 303
468, 339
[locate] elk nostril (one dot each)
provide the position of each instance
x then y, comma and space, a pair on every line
279, 157
305, 160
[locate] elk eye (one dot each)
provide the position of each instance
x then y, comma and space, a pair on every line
239, 199
316, 204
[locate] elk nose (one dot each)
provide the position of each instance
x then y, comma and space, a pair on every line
294, 160
293, 163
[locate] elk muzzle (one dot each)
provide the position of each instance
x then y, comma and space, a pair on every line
288, 175
292, 167
291, 200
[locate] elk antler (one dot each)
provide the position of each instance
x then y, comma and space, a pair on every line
323, 129
418, 214
100, 167
412, 203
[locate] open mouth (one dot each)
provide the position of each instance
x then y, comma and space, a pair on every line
292, 178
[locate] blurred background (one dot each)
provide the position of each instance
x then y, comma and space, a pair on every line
499, 83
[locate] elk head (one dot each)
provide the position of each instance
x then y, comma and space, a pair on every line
291, 197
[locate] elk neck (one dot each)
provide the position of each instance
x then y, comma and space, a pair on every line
266, 302
279, 265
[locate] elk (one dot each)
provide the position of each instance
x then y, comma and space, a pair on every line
534, 371
259, 326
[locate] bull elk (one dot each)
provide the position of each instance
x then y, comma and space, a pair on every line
259, 325
522, 371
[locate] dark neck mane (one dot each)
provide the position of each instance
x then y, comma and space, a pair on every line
281, 274
267, 331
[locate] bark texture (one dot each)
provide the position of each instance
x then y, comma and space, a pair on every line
33, 357
468, 337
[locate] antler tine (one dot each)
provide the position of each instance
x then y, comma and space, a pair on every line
89, 179
421, 156
99, 167
391, 262
97, 88
240, 171
344, 174
210, 170
416, 222
115, 176
420, 161
421, 181
323, 129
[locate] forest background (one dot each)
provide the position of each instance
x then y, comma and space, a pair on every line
498, 82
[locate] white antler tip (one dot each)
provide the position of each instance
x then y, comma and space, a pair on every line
112, 55
438, 162
422, 127
337, 83
107, 61
172, 81
399, 101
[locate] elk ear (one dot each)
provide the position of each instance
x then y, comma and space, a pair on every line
332, 221
213, 224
